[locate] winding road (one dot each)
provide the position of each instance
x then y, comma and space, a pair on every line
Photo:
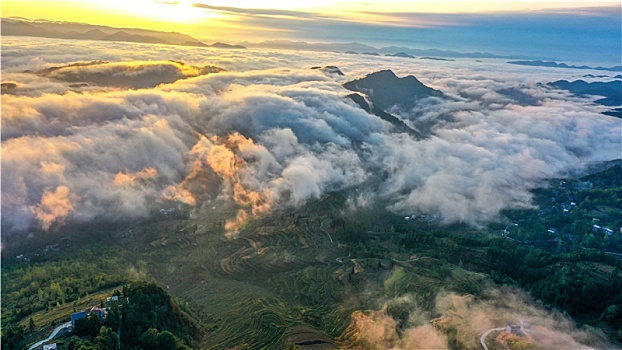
322, 229
482, 339
52, 335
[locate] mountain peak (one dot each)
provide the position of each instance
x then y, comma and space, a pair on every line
329, 69
385, 89
385, 73
220, 45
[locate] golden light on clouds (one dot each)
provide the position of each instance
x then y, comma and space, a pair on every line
421, 6
183, 11
54, 207
240, 21
462, 6
214, 20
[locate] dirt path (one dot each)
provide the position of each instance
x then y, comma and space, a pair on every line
322, 229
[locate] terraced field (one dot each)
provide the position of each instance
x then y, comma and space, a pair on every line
273, 284
282, 281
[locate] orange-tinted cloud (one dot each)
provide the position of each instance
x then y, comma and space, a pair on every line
54, 206
240, 220
178, 194
222, 160
461, 320
127, 179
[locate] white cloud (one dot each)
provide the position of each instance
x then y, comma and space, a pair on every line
289, 133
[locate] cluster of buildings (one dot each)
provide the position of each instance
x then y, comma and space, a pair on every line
102, 313
48, 248
605, 230
567, 206
167, 211
517, 328
428, 218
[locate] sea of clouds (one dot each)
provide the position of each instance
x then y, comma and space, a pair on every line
80, 146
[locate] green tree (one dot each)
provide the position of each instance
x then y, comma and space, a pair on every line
589, 241
107, 339
73, 343
88, 326
149, 339
12, 337
167, 340
113, 318
612, 315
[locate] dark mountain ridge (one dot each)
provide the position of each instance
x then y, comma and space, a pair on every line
83, 31
563, 65
610, 91
380, 91
399, 125
400, 54
356, 48
386, 90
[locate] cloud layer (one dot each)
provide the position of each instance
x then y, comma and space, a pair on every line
271, 132
459, 321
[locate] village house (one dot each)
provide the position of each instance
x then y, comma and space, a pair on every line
114, 298
83, 314
77, 316
98, 311
514, 328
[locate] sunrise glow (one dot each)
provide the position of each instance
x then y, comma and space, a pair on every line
168, 13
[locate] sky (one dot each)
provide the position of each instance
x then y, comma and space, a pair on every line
575, 31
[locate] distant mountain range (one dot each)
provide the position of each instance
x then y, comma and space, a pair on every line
563, 65
82, 31
436, 59
400, 54
358, 48
611, 92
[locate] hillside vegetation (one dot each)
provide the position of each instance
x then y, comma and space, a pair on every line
312, 277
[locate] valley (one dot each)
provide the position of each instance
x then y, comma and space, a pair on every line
296, 278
